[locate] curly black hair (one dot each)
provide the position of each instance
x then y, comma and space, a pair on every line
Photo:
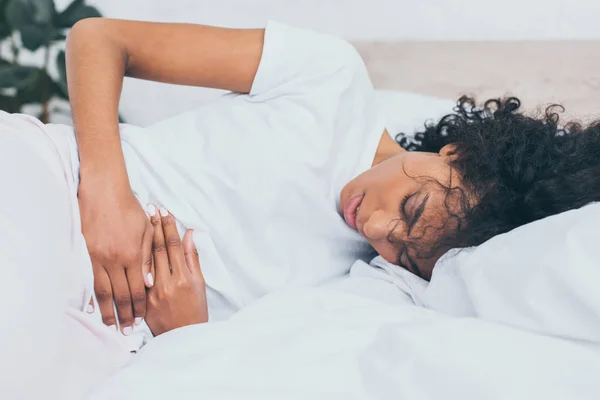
519, 168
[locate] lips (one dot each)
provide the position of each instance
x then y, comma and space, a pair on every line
350, 210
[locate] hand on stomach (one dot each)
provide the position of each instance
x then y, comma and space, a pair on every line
178, 297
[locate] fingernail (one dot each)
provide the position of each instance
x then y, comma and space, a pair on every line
138, 321
151, 208
163, 212
89, 309
150, 279
114, 328
127, 330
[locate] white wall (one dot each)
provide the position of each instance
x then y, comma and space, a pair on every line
384, 19
144, 102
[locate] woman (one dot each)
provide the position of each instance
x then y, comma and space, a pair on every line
288, 179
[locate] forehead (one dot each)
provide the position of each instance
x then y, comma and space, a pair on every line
428, 168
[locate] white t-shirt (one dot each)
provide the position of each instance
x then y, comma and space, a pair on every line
258, 176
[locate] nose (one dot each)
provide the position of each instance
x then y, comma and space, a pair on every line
377, 226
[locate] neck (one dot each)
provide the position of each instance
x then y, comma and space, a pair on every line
387, 148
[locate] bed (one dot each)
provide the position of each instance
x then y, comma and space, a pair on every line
515, 318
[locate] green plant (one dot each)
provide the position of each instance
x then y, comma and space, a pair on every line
35, 26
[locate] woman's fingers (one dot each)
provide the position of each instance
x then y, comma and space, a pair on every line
137, 286
104, 295
159, 248
147, 272
122, 297
138, 293
173, 242
191, 255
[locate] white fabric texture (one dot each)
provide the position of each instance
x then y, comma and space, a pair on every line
407, 112
542, 277
326, 343
258, 176
50, 347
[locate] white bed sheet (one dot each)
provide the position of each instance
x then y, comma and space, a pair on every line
331, 343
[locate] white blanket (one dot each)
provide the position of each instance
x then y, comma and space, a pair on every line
364, 338
331, 343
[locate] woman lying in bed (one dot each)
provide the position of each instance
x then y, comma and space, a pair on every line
286, 181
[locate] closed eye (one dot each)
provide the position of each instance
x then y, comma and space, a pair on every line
417, 213
404, 260
403, 206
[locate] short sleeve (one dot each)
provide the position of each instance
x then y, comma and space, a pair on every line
295, 60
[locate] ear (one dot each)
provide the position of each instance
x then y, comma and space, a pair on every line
450, 151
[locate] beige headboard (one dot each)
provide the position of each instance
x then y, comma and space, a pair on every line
537, 72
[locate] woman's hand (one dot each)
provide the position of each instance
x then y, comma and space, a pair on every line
119, 239
178, 297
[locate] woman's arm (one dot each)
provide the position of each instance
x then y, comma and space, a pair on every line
100, 52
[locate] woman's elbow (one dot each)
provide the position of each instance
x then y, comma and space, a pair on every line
94, 35
85, 28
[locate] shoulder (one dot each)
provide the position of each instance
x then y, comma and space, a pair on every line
300, 61
307, 44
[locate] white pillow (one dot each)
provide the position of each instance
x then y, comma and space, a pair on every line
407, 112
543, 277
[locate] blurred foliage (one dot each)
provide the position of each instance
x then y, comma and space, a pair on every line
39, 26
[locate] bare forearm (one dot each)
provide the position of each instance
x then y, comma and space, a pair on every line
96, 66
